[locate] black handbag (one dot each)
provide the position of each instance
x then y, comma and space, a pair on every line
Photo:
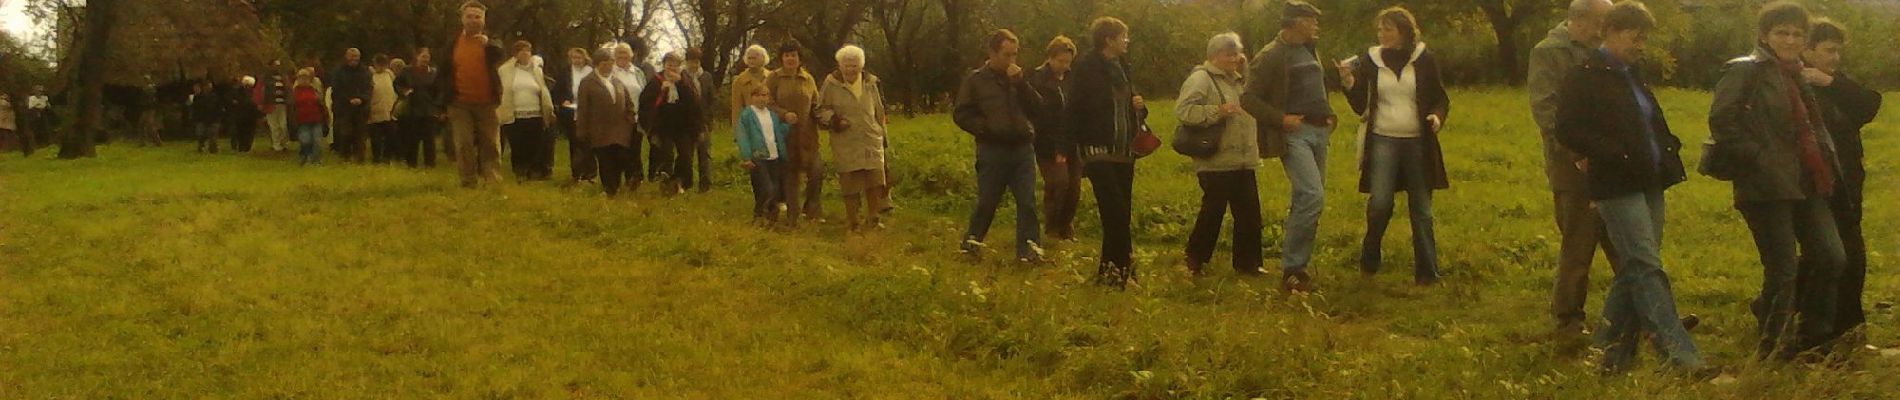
1200, 141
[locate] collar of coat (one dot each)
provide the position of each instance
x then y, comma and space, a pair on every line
1373, 53
787, 73
837, 78
1762, 55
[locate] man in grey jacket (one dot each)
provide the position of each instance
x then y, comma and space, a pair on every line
994, 106
1286, 94
1568, 45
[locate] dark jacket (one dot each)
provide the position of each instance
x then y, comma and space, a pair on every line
1752, 119
1847, 107
347, 82
676, 120
1265, 97
1097, 86
1430, 98
423, 86
996, 110
207, 107
1598, 117
446, 88
239, 106
562, 90
1051, 122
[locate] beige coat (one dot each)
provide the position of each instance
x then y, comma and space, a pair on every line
742, 87
861, 145
382, 96
505, 113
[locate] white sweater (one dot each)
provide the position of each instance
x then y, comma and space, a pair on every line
1397, 113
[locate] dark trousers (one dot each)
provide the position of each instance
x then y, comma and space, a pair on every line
1846, 205
1221, 191
207, 137
617, 165
1582, 231
1114, 184
414, 141
529, 142
1061, 191
1002, 168
243, 133
681, 158
580, 155
1801, 261
766, 195
352, 137
660, 150
704, 161
382, 141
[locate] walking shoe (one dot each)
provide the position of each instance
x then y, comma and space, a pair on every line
1296, 282
970, 245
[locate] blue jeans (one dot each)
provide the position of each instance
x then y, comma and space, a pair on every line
1396, 161
1011, 167
1640, 299
307, 137
1305, 163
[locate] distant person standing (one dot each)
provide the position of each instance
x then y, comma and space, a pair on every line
672, 106
1578, 225
525, 114
795, 93
10, 127
382, 109
1055, 148
306, 113
566, 94
206, 115
471, 94
1398, 92
244, 113
1105, 117
629, 73
349, 99
604, 120
994, 106
707, 86
1846, 106
1286, 94
1608, 115
39, 118
271, 95
851, 105
421, 120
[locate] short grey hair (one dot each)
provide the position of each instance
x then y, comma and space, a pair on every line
1224, 43
1582, 9
757, 50
851, 53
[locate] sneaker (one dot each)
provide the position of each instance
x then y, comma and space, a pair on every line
1296, 282
970, 246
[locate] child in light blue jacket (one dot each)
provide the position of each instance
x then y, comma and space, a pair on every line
761, 135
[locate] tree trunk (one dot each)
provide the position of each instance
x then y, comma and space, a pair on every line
1504, 26
89, 78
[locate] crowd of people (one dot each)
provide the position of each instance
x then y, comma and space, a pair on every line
1785, 121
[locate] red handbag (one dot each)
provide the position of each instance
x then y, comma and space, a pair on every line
1145, 142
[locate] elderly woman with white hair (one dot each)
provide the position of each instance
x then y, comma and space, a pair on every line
753, 77
852, 107
1211, 117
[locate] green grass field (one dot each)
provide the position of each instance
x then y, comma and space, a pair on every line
161, 273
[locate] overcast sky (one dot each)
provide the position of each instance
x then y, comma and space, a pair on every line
13, 19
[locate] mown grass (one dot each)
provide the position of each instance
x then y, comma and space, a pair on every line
167, 274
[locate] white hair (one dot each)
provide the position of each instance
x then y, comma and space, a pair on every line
1224, 43
851, 53
248, 81
757, 50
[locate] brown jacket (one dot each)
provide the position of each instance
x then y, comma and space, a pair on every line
1265, 97
604, 118
796, 91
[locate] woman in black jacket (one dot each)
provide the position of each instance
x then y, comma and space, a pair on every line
670, 108
1105, 115
1055, 150
1396, 89
1608, 115
207, 114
